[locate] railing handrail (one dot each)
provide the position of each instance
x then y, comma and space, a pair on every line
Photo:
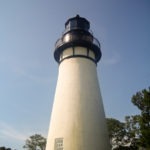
60, 42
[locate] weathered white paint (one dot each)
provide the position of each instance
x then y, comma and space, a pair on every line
78, 115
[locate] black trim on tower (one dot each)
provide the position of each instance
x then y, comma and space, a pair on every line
74, 56
76, 34
92, 47
73, 50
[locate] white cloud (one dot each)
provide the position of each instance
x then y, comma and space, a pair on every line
9, 132
112, 60
24, 68
23, 71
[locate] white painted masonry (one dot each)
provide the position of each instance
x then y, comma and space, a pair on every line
78, 117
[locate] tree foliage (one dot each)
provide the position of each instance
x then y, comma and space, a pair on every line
115, 128
35, 142
135, 131
4, 148
142, 101
132, 130
116, 131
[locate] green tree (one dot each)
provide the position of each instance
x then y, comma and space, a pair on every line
4, 148
132, 130
134, 133
142, 101
116, 131
122, 134
35, 142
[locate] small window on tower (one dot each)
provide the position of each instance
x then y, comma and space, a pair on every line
59, 144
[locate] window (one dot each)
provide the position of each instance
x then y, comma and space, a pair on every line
59, 144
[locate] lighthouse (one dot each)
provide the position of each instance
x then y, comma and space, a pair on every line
78, 119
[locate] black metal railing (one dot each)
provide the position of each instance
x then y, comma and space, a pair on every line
62, 40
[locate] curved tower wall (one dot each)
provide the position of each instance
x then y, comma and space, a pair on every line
78, 119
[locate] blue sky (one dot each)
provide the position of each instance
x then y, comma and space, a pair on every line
28, 71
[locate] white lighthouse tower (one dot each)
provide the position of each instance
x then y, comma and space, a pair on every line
78, 119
